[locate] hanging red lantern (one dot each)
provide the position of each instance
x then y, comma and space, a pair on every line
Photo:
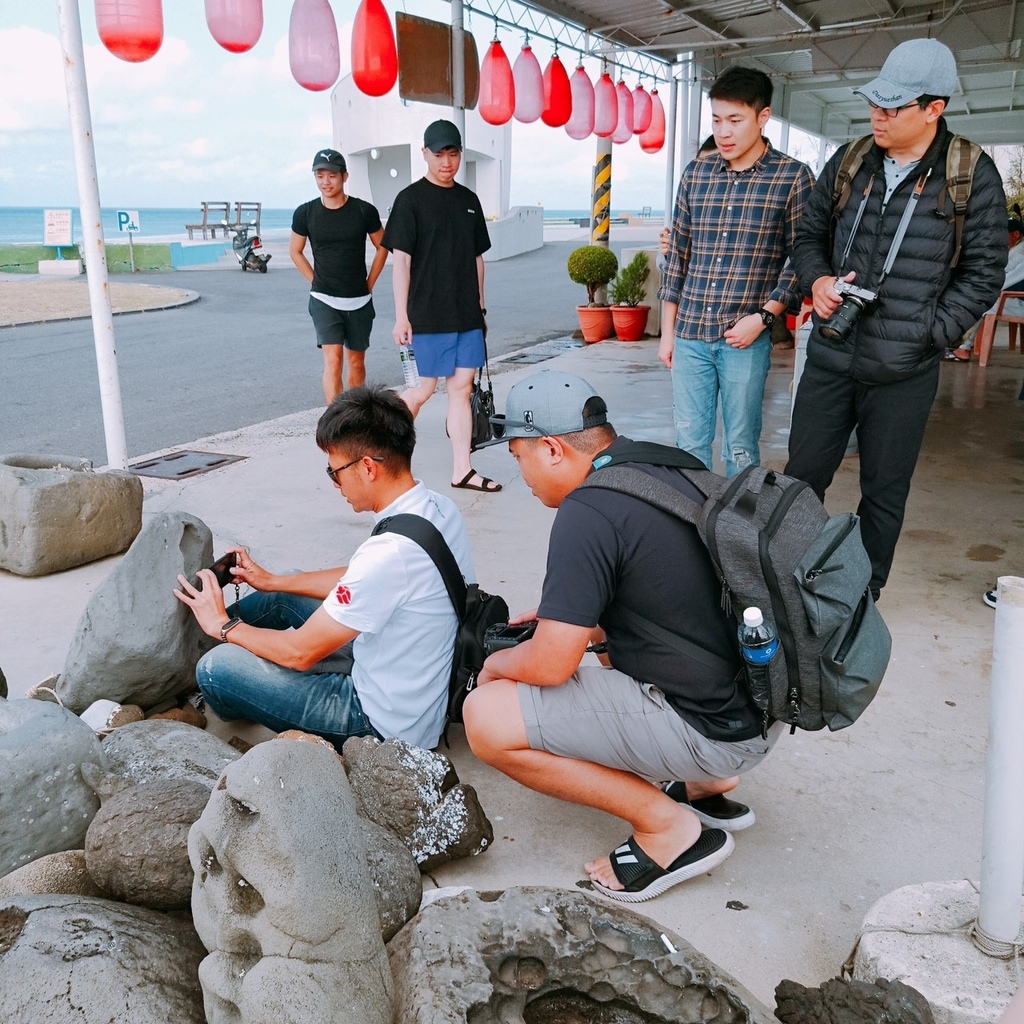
313, 52
641, 110
130, 29
236, 24
581, 121
624, 124
374, 54
654, 138
529, 86
497, 98
557, 94
606, 107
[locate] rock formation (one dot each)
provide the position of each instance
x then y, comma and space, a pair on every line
842, 1001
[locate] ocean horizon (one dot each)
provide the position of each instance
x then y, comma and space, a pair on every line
23, 225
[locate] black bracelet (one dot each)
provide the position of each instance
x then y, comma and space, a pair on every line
483, 310
599, 648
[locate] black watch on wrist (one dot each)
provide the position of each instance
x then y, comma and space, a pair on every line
766, 318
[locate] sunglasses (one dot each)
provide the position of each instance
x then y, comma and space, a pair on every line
333, 473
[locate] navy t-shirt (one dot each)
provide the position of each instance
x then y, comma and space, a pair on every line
443, 230
338, 240
608, 551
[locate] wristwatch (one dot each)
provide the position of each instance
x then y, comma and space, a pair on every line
599, 648
766, 318
229, 625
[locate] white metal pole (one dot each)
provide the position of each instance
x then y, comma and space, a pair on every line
93, 250
1002, 836
670, 147
459, 81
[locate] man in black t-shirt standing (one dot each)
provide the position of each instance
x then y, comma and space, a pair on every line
652, 737
437, 235
340, 302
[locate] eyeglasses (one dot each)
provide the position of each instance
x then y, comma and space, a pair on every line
333, 473
892, 112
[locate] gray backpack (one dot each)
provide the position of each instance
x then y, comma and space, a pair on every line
773, 545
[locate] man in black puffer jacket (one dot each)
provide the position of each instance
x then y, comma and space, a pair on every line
881, 374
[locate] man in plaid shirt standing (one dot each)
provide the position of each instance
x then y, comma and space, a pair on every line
728, 276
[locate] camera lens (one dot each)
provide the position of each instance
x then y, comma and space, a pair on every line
840, 324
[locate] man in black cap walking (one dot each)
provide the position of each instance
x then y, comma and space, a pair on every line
340, 301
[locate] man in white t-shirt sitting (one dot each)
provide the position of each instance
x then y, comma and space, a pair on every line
280, 664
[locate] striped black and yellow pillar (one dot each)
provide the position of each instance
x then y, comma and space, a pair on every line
602, 194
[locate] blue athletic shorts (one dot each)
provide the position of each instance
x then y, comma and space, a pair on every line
437, 355
348, 327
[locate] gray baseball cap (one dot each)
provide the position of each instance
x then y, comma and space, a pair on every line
918, 67
548, 404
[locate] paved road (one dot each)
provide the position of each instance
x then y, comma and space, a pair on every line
243, 354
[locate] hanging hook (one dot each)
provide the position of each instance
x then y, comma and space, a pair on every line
495, 39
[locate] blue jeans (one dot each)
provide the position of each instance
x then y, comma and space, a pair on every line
237, 684
701, 372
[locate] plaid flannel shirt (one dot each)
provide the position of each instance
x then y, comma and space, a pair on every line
732, 234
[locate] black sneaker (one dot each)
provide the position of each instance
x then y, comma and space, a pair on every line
989, 597
713, 811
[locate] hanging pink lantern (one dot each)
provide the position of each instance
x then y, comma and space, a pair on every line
236, 24
374, 54
654, 138
130, 29
642, 109
497, 98
606, 107
581, 121
313, 52
624, 125
557, 94
529, 86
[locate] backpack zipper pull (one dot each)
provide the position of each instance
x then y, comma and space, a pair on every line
726, 602
813, 574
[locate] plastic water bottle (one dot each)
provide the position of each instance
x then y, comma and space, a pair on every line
409, 370
758, 645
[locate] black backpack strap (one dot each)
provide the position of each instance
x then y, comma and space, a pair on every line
650, 454
679, 643
429, 537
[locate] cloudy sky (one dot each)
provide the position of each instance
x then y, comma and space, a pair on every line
196, 121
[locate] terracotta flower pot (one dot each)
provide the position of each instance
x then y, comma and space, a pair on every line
595, 322
630, 321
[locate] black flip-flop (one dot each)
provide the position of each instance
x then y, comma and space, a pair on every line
465, 485
642, 879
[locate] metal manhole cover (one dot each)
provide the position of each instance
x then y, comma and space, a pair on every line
181, 465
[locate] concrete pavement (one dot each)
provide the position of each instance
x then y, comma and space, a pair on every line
842, 819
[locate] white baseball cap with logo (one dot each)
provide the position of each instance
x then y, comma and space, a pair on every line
918, 67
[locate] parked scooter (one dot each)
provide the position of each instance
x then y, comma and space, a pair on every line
248, 248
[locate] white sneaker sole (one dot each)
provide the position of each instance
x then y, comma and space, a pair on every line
725, 824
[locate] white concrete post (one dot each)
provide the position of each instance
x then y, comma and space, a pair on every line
459, 82
1002, 836
94, 253
670, 146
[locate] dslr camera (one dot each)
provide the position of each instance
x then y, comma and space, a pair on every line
502, 635
839, 326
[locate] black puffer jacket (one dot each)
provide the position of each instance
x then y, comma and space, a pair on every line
924, 305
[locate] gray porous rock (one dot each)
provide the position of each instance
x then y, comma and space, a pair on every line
45, 804
162, 749
136, 848
546, 955
395, 876
61, 873
135, 642
282, 897
416, 794
843, 1001
94, 961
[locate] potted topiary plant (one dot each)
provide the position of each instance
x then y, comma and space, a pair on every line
593, 266
627, 292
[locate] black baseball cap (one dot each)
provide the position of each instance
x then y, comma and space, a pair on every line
441, 135
329, 160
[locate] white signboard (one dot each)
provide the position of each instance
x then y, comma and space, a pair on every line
56, 227
128, 220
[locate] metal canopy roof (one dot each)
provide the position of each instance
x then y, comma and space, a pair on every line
817, 50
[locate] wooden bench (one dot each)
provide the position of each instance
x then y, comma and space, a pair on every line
248, 215
987, 330
214, 215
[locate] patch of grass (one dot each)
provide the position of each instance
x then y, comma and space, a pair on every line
24, 259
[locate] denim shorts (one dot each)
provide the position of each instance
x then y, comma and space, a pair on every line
438, 355
348, 327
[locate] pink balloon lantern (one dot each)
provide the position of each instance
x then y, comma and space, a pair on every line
606, 107
313, 52
236, 24
374, 54
624, 125
529, 86
130, 29
642, 109
581, 121
557, 94
654, 138
497, 98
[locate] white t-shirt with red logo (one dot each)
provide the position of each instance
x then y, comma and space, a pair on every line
394, 595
